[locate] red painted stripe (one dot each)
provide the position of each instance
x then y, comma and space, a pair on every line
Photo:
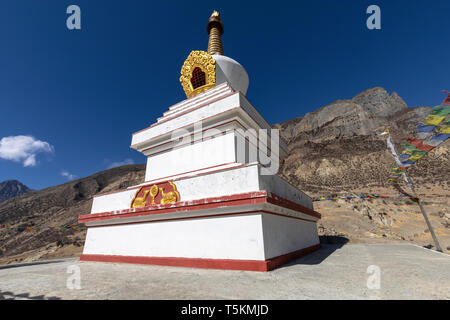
224, 264
282, 202
285, 215
204, 217
182, 206
280, 260
201, 204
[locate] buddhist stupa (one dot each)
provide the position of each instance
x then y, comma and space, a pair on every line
210, 198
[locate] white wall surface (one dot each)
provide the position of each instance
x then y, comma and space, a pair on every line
113, 201
284, 235
212, 152
222, 183
283, 189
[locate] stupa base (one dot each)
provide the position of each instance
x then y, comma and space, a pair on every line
224, 264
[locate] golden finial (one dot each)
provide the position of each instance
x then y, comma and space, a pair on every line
215, 30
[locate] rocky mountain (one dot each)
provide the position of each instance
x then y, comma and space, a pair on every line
12, 188
46, 211
334, 150
338, 147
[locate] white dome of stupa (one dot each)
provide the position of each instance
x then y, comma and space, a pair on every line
231, 71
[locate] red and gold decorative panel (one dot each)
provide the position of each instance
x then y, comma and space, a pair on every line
160, 193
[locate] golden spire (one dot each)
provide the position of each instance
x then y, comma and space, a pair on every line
215, 30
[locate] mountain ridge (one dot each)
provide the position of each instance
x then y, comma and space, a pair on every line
12, 188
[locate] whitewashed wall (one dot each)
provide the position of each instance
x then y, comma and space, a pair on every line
284, 235
222, 183
204, 154
229, 237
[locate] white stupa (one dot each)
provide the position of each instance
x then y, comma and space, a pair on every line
206, 201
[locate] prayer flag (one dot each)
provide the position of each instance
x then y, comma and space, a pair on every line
440, 110
416, 157
407, 163
433, 120
445, 129
446, 100
427, 127
409, 146
404, 156
414, 141
437, 139
425, 147
416, 152
422, 135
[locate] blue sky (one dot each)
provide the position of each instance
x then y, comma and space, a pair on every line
81, 93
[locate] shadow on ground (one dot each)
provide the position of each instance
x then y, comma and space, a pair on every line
8, 295
9, 266
329, 244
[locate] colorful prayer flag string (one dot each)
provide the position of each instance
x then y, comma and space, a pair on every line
428, 136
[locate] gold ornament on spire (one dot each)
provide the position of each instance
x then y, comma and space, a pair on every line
198, 73
215, 31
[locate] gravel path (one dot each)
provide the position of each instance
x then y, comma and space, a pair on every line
334, 272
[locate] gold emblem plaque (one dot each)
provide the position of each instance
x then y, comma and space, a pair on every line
207, 64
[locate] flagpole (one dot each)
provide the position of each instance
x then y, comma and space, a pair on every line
436, 242
410, 184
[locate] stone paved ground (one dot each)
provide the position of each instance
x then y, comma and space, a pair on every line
334, 272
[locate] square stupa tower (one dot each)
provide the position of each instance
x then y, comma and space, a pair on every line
211, 196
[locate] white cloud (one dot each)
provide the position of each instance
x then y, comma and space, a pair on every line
121, 163
68, 175
23, 149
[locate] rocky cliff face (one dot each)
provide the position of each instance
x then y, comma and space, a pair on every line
12, 188
338, 147
362, 115
338, 150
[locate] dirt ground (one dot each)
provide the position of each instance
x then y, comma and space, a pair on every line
402, 271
